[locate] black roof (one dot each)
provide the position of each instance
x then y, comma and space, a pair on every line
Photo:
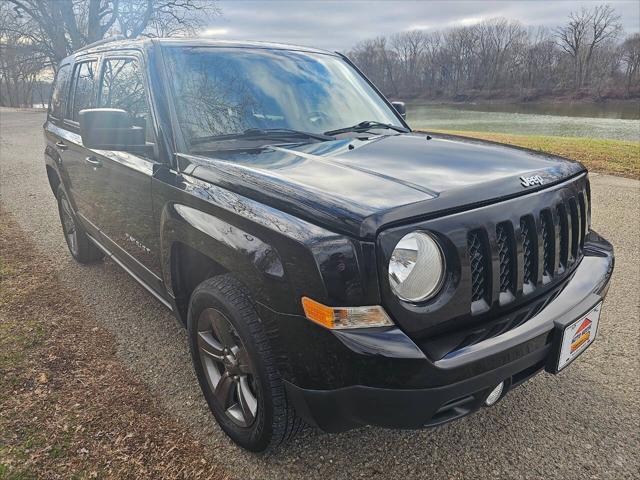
140, 43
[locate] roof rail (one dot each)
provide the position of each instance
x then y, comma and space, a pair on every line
103, 41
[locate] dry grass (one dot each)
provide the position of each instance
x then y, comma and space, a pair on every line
68, 407
615, 157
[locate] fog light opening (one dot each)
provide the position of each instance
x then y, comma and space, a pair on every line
494, 396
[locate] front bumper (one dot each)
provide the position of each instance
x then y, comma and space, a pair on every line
357, 405
382, 378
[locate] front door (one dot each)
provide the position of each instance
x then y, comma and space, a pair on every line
125, 213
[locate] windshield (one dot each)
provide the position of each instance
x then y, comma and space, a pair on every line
226, 91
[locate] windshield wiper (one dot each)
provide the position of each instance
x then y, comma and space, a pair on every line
258, 133
366, 125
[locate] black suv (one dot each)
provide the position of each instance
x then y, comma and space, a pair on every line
331, 266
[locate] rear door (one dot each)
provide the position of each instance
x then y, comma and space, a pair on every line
125, 208
54, 132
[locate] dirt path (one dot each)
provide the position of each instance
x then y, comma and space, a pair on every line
584, 423
68, 406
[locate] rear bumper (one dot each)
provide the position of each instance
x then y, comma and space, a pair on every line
455, 385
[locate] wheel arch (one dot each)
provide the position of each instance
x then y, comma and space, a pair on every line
189, 268
196, 246
54, 179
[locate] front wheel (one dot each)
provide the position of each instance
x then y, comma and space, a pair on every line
235, 367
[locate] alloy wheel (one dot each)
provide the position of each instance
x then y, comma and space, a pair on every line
227, 367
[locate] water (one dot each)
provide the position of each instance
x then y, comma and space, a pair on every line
618, 121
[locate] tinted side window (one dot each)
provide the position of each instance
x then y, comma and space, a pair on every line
59, 92
84, 83
123, 87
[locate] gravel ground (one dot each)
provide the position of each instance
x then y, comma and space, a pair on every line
584, 423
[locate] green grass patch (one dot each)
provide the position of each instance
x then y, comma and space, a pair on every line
616, 157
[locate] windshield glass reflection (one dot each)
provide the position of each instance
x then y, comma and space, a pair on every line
225, 91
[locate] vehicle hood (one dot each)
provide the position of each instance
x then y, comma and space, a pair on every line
358, 186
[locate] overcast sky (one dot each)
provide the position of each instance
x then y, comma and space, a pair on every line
338, 25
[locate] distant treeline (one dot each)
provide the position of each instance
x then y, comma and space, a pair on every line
588, 56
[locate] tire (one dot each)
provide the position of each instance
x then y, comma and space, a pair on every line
81, 248
220, 308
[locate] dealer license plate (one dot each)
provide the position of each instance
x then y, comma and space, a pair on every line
577, 336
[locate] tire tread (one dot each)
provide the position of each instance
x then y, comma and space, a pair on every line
286, 424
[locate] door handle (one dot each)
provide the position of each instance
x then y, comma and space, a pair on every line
94, 161
61, 145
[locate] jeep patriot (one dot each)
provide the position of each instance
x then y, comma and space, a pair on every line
332, 267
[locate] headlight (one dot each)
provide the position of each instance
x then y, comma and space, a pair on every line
416, 268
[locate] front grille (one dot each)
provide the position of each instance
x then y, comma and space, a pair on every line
478, 258
561, 228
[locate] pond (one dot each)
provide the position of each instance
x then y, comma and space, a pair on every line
619, 120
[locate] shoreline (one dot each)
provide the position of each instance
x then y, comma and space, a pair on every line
519, 100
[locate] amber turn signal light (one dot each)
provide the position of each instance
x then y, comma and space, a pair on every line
345, 317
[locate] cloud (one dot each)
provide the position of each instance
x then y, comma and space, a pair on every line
338, 25
215, 32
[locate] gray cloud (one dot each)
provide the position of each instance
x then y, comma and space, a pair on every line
338, 25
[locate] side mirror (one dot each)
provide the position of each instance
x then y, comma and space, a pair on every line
110, 129
401, 108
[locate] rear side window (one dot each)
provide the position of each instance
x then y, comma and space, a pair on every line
84, 83
59, 92
123, 87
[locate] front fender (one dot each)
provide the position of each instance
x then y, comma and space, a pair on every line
267, 250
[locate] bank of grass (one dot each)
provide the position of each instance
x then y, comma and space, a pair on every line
68, 407
615, 157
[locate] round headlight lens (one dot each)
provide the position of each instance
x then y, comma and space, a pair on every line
416, 268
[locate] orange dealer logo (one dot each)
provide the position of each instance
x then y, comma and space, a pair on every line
582, 335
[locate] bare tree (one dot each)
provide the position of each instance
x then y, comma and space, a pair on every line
500, 40
604, 27
458, 58
541, 65
62, 26
630, 59
20, 62
572, 38
583, 35
409, 48
379, 62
